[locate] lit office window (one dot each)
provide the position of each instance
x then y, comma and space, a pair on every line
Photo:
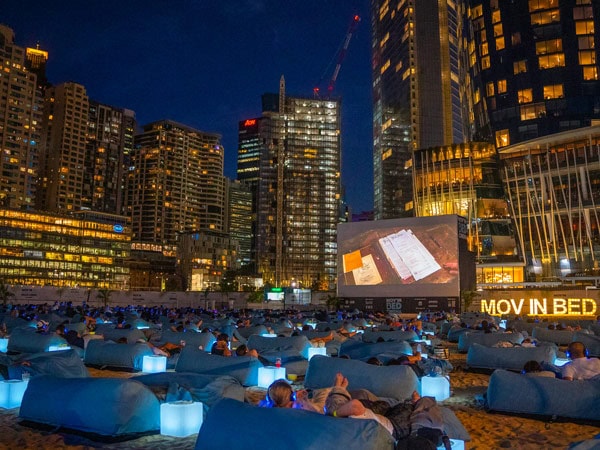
553, 91
525, 96
520, 67
502, 138
501, 86
587, 57
590, 73
584, 27
489, 89
545, 17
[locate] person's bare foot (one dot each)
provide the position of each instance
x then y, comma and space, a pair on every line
340, 380
415, 397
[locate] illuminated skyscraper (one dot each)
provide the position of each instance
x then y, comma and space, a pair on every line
62, 163
293, 153
176, 185
20, 126
420, 95
538, 64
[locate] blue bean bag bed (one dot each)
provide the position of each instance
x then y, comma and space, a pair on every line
396, 382
118, 356
17, 322
114, 334
63, 364
455, 332
262, 344
102, 406
515, 393
208, 389
234, 425
191, 338
246, 332
511, 358
559, 337
26, 340
242, 368
465, 340
591, 342
388, 336
312, 334
363, 351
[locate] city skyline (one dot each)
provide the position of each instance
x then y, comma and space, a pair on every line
223, 58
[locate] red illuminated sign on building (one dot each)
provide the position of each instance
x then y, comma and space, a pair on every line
250, 122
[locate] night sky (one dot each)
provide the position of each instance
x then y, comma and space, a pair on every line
206, 63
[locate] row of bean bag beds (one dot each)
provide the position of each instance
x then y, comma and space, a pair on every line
465, 340
510, 358
109, 354
65, 363
559, 337
513, 393
27, 340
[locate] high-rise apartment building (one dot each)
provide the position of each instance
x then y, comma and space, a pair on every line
20, 125
239, 221
538, 66
294, 149
63, 160
420, 97
109, 146
176, 185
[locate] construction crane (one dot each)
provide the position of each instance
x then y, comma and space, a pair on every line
341, 54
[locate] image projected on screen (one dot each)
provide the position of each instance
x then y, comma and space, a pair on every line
408, 256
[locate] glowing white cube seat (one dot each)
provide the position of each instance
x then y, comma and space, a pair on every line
154, 364
312, 351
180, 419
266, 375
436, 386
11, 393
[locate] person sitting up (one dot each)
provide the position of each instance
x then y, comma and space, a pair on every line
221, 347
535, 369
580, 367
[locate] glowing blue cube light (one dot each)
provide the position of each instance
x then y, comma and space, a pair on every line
312, 351
3, 345
559, 362
11, 393
266, 375
455, 444
154, 364
438, 387
180, 419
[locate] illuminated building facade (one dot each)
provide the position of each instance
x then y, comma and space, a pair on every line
20, 126
421, 95
62, 163
464, 179
85, 249
538, 66
108, 154
204, 257
553, 184
298, 191
240, 218
176, 185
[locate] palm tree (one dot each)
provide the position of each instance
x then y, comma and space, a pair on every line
104, 295
5, 294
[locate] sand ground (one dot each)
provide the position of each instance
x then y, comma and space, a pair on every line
488, 431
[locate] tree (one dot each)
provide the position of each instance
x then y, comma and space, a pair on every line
467, 298
5, 294
333, 302
104, 296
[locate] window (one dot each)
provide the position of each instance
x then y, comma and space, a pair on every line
551, 46
551, 61
483, 49
519, 67
501, 86
498, 30
586, 42
500, 43
516, 38
584, 27
496, 16
590, 73
583, 12
485, 62
525, 96
587, 57
545, 17
553, 91
502, 138
535, 5
530, 112
490, 89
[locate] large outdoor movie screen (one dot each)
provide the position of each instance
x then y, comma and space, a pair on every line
414, 257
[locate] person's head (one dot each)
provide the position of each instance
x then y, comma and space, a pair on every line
532, 367
241, 350
280, 395
374, 361
576, 350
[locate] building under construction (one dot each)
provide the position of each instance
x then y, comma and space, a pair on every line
291, 156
